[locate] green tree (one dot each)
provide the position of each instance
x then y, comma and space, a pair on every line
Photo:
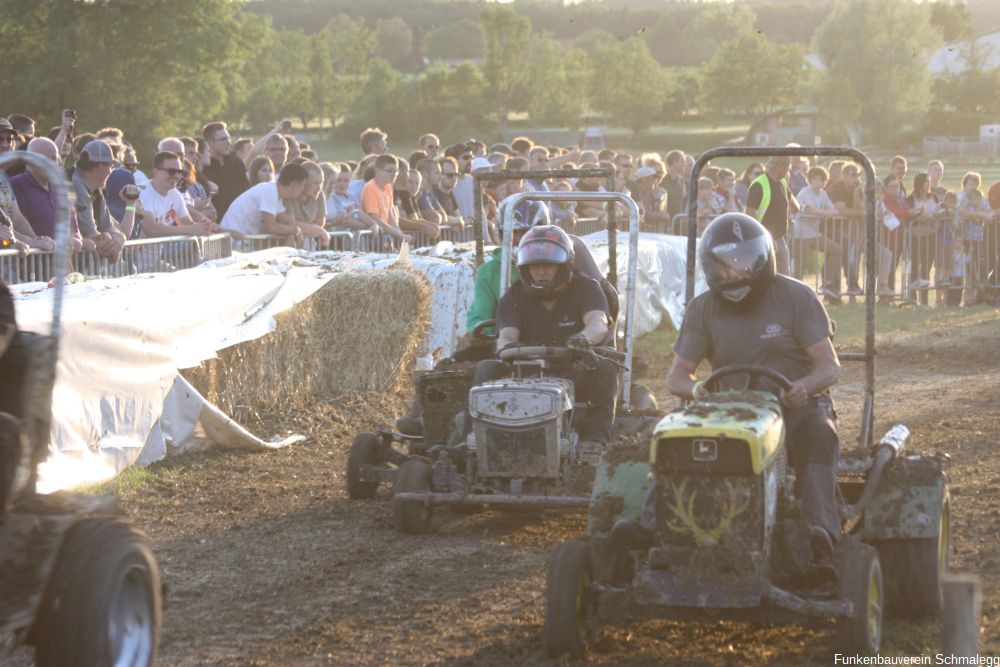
684, 92
120, 63
461, 39
751, 75
590, 40
507, 36
553, 97
320, 75
627, 84
353, 47
876, 70
395, 42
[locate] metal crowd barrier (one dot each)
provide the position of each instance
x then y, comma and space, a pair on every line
927, 262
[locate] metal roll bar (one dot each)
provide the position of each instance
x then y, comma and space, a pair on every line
507, 223
868, 357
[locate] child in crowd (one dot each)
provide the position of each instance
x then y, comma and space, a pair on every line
706, 206
949, 259
975, 213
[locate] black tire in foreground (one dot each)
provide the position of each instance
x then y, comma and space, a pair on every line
914, 569
860, 582
412, 516
102, 605
365, 450
569, 602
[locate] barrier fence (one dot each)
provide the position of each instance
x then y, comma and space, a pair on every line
923, 262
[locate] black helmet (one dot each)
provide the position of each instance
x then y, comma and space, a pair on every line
529, 213
737, 256
545, 244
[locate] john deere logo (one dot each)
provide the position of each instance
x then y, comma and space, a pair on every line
705, 450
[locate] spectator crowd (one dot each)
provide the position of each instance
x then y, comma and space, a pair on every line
278, 185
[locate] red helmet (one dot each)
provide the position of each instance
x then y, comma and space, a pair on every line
545, 244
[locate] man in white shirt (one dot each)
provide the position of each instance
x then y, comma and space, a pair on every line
164, 212
813, 231
259, 210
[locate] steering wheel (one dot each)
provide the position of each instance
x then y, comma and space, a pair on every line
479, 332
755, 373
519, 352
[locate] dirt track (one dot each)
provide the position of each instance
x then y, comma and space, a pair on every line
268, 562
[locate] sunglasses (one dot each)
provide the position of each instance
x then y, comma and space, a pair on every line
172, 172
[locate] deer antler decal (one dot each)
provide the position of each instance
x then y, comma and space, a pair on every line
684, 521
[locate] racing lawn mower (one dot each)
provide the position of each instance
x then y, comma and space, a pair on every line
704, 522
521, 452
76, 580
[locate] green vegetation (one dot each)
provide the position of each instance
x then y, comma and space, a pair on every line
629, 64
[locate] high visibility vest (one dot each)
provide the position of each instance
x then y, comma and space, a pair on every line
765, 198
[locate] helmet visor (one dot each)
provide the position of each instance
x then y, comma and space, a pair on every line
730, 263
541, 251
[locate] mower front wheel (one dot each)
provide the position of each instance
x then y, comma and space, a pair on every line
102, 605
412, 516
569, 600
365, 450
860, 582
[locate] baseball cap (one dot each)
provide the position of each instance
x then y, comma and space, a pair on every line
643, 172
99, 152
5, 126
481, 163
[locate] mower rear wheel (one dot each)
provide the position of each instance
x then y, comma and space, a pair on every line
569, 600
915, 569
860, 582
412, 516
642, 399
102, 605
365, 450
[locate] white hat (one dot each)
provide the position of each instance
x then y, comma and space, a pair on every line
643, 172
481, 163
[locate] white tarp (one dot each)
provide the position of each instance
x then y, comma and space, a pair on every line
116, 401
119, 399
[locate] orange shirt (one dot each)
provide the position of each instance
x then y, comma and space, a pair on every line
375, 201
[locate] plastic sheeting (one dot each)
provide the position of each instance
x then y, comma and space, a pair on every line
118, 399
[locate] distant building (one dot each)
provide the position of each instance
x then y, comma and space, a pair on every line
951, 58
806, 125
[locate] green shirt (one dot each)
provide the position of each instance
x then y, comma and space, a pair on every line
487, 290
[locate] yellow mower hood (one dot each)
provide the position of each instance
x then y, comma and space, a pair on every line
751, 416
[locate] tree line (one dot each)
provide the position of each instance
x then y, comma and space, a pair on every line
459, 68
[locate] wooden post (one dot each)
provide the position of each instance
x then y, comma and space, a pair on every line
960, 615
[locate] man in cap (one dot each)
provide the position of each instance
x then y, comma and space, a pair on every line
94, 165
18, 233
644, 190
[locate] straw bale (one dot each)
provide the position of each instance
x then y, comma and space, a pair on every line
361, 332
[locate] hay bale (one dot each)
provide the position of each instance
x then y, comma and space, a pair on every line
359, 333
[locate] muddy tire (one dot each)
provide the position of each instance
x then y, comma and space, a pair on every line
860, 582
102, 605
365, 450
569, 600
642, 399
914, 569
412, 516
